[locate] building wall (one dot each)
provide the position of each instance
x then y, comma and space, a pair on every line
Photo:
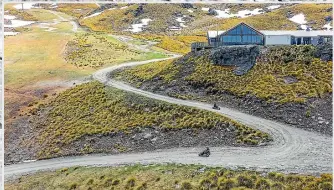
277, 40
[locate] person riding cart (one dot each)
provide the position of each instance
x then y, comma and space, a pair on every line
205, 153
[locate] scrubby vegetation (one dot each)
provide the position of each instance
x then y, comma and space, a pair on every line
23, 15
171, 176
282, 74
92, 108
74, 9
198, 21
95, 50
176, 44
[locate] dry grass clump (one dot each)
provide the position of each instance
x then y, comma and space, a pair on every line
92, 108
172, 176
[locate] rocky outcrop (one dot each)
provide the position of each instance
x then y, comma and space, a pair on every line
324, 51
212, 12
242, 57
139, 11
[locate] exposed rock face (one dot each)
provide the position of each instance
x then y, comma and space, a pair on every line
324, 51
187, 5
212, 12
243, 57
139, 11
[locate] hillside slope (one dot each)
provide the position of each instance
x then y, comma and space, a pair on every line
289, 84
196, 19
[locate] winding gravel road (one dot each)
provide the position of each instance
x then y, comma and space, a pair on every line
293, 150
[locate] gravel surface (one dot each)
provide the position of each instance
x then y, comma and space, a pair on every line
293, 150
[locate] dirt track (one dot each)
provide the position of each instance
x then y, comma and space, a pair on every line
292, 150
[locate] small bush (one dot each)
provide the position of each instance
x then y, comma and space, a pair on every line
326, 186
262, 184
226, 184
116, 182
131, 182
90, 181
108, 182
245, 181
186, 185
73, 186
277, 186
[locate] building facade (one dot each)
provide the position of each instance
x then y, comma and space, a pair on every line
243, 34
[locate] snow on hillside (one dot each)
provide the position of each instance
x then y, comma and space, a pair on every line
272, 7
92, 15
328, 26
242, 14
300, 19
139, 27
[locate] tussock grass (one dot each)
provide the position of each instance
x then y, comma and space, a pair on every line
172, 176
266, 80
96, 50
91, 108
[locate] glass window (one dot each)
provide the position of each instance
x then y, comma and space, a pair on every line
238, 38
238, 30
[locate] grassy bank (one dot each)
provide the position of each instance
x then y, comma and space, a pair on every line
172, 176
96, 50
92, 109
265, 81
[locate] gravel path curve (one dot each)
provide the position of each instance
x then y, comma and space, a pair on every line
293, 150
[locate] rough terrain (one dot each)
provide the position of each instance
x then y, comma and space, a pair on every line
292, 150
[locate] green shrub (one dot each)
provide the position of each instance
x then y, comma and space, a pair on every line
130, 182
262, 184
246, 181
73, 186
326, 186
277, 186
226, 184
186, 185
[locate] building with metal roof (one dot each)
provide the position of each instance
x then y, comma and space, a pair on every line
244, 34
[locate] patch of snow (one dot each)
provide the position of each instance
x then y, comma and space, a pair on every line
124, 7
246, 13
182, 25
191, 11
205, 9
112, 8
181, 22
303, 26
242, 14
328, 26
179, 19
9, 17
272, 7
224, 14
25, 6
299, 19
92, 15
139, 27
10, 33
18, 23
